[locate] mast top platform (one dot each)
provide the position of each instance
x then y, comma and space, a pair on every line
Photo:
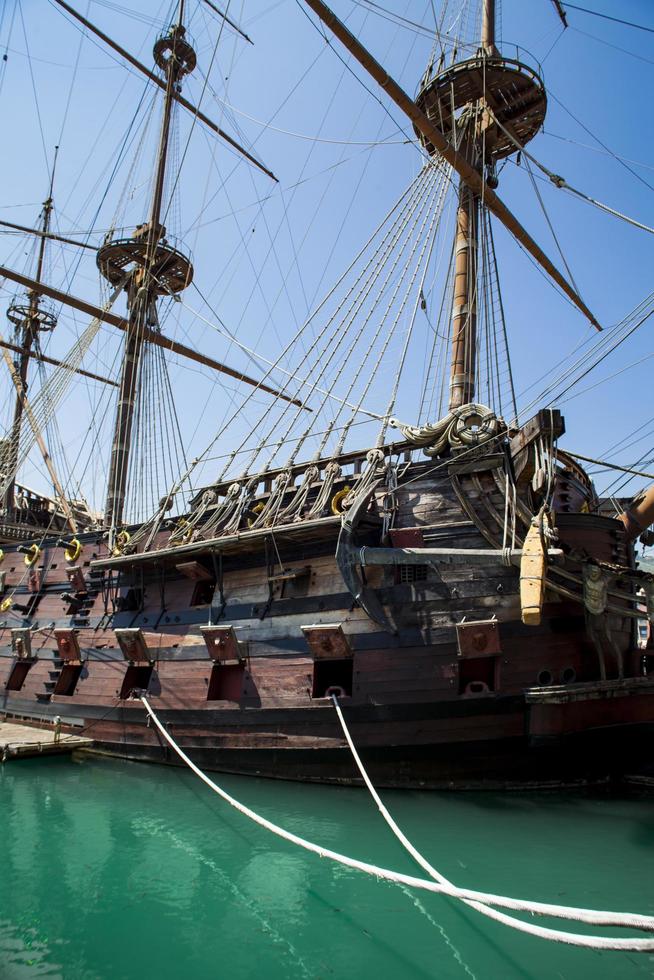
19, 314
512, 90
174, 45
168, 270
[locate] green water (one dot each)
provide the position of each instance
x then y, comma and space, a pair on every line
118, 870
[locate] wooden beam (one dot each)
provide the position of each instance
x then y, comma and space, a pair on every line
162, 84
447, 556
51, 360
47, 234
227, 20
456, 160
152, 336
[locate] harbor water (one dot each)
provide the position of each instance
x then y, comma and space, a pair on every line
112, 869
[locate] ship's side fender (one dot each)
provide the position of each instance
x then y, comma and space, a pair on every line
347, 558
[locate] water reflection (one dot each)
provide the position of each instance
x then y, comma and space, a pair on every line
111, 869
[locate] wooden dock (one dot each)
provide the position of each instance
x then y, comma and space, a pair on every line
21, 741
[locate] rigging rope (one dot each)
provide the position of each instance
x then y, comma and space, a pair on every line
562, 184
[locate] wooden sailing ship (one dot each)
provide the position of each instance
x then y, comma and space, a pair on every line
455, 588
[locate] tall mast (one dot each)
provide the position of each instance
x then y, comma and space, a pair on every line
29, 319
466, 247
152, 267
488, 27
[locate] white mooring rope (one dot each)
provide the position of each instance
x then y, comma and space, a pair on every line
442, 885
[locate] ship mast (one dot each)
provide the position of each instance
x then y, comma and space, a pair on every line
518, 100
466, 247
30, 320
153, 268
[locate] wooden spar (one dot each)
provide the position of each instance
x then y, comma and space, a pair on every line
152, 336
228, 21
162, 84
51, 360
47, 234
561, 12
456, 160
105, 316
25, 406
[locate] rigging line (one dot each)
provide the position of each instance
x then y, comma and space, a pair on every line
272, 238
305, 136
321, 432
434, 191
428, 247
355, 190
226, 423
609, 377
596, 149
553, 45
325, 191
254, 142
393, 18
615, 47
256, 356
342, 335
617, 446
617, 485
360, 179
370, 92
620, 160
231, 23
196, 114
610, 466
589, 341
72, 86
562, 184
36, 98
633, 442
616, 20
614, 338
5, 58
549, 223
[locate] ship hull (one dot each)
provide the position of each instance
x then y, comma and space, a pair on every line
239, 642
505, 744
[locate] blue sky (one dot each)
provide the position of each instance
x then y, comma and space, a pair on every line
263, 253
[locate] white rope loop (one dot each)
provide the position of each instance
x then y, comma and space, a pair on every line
626, 919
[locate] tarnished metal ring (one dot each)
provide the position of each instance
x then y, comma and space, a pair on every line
32, 555
337, 501
73, 550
